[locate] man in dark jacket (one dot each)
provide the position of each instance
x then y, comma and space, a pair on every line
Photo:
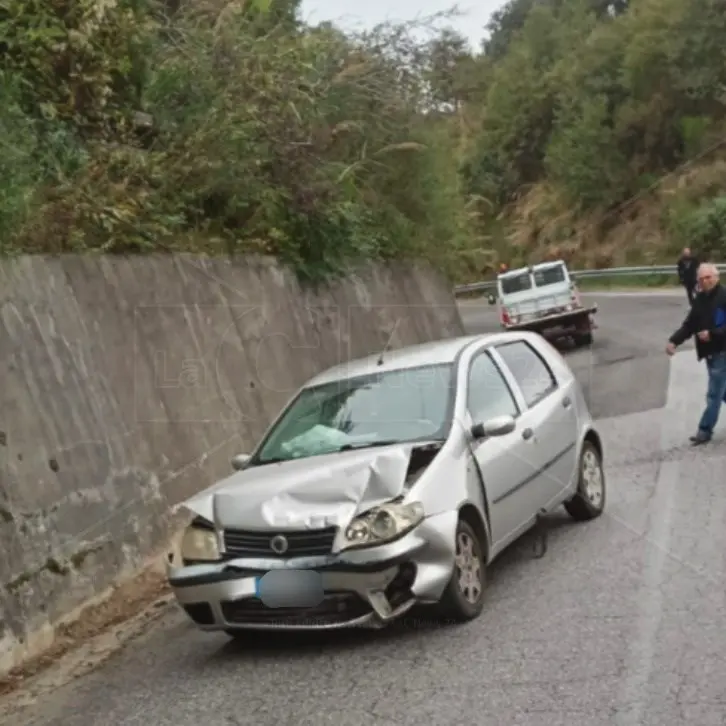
706, 321
687, 268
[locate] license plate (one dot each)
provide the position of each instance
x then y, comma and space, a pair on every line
290, 589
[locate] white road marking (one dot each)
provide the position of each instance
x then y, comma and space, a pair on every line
639, 662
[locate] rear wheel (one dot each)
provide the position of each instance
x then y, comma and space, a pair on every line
464, 596
589, 501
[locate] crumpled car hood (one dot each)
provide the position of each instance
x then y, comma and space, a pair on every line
310, 493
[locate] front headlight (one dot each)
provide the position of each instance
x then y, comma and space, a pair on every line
199, 545
383, 524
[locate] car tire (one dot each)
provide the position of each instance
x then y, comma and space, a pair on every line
237, 635
583, 339
589, 500
463, 599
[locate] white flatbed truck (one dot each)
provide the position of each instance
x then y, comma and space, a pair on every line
545, 299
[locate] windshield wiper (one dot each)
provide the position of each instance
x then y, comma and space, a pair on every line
370, 444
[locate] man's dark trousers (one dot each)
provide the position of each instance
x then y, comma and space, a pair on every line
715, 395
688, 274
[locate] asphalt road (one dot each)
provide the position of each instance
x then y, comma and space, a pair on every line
621, 622
625, 370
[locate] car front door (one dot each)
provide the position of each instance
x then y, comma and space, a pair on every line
551, 416
507, 464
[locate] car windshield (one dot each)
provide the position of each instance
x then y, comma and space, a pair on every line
549, 276
371, 410
516, 283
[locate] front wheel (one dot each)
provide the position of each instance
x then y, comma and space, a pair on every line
463, 599
589, 500
238, 635
583, 339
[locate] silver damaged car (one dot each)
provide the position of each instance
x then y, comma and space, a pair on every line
389, 482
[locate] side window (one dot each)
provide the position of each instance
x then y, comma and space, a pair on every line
533, 375
488, 394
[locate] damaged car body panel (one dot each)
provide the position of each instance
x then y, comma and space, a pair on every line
385, 483
313, 493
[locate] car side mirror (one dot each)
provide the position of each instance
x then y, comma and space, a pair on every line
239, 461
497, 426
491, 299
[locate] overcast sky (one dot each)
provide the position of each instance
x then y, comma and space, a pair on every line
352, 14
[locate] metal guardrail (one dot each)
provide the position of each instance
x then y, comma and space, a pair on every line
585, 274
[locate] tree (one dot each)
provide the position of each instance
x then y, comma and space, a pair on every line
583, 156
325, 147
518, 111
503, 26
450, 69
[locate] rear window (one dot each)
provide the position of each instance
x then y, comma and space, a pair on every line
516, 283
549, 276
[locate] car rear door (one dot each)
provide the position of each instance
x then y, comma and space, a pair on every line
507, 464
552, 417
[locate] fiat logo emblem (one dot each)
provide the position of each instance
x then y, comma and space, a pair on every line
279, 544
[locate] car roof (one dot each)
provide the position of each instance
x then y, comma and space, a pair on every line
432, 353
538, 266
437, 352
513, 273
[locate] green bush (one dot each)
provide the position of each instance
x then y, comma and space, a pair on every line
583, 156
325, 148
19, 172
267, 136
703, 228
75, 60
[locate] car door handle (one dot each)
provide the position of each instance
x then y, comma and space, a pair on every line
567, 402
527, 434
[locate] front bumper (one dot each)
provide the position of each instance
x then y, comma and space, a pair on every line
362, 588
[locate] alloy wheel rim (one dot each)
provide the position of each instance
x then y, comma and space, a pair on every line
592, 478
468, 568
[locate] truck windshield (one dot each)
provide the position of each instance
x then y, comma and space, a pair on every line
516, 283
549, 276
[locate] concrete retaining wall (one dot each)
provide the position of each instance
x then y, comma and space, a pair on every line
127, 384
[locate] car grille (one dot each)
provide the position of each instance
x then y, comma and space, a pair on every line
308, 543
334, 609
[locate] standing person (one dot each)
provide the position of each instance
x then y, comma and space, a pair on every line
706, 320
687, 267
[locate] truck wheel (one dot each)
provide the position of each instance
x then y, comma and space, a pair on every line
463, 599
589, 500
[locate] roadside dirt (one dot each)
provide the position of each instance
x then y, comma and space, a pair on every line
85, 643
